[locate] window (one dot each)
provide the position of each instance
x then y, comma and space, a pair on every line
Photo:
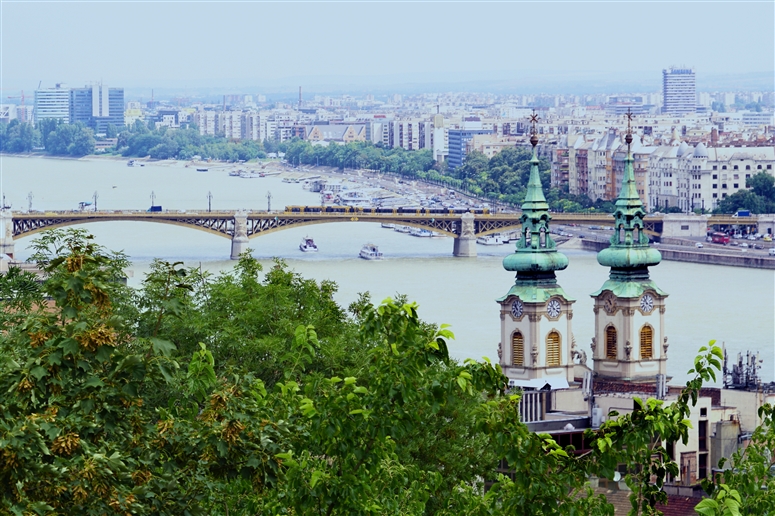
737, 176
715, 167
723, 185
734, 185
715, 185
553, 349
610, 343
758, 167
702, 431
715, 195
735, 167
715, 176
769, 167
517, 349
646, 342
748, 167
723, 167
702, 468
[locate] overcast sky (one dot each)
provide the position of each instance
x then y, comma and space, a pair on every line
135, 44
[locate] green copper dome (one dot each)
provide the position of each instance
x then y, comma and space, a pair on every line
536, 256
629, 255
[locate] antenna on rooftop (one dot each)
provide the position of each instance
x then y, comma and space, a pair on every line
299, 98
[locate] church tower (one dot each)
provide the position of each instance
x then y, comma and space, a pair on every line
536, 313
629, 342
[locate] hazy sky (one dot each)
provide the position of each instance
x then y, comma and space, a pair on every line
135, 44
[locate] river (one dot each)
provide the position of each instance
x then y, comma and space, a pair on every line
735, 306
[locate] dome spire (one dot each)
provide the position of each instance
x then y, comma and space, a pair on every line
629, 254
536, 257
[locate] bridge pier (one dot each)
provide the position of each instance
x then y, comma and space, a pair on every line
465, 245
6, 232
239, 242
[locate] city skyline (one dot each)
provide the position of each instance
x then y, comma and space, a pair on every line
366, 46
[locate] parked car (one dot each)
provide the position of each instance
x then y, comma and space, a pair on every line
771, 252
698, 245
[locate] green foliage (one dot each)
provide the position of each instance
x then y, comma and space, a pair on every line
18, 136
254, 393
760, 198
69, 139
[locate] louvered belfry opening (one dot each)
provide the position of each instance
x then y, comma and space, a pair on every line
553, 349
517, 349
610, 343
646, 342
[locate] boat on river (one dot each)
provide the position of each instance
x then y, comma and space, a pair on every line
308, 245
370, 252
402, 229
493, 239
420, 232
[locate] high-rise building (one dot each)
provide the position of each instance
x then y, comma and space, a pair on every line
458, 140
679, 91
97, 106
53, 103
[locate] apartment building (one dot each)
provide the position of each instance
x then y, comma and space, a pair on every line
97, 106
53, 103
679, 91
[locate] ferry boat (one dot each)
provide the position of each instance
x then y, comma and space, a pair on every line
308, 245
493, 239
420, 232
388, 225
370, 252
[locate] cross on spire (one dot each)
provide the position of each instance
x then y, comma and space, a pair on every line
629, 115
533, 121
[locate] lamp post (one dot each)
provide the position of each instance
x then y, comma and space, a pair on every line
153, 198
268, 201
29, 201
95, 197
209, 201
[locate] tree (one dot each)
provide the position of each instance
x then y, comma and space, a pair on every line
111, 401
110, 131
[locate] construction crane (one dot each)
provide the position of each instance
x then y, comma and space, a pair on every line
22, 118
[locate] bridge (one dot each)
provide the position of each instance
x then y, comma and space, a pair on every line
241, 226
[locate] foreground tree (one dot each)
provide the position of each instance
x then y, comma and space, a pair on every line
154, 404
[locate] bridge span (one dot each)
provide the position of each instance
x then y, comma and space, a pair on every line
241, 226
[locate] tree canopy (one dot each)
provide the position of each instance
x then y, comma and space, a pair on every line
252, 392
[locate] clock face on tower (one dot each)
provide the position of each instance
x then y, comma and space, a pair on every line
647, 303
553, 308
517, 308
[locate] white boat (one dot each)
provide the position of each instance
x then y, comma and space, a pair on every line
235, 173
249, 175
420, 232
355, 198
308, 245
130, 163
370, 252
403, 229
388, 225
494, 239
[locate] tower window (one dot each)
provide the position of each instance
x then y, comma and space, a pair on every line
553, 349
646, 342
517, 349
610, 343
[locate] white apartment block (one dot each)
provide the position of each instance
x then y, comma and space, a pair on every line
206, 121
230, 124
700, 177
53, 103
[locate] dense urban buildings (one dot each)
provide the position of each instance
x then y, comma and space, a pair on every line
690, 150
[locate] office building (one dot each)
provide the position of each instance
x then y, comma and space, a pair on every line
97, 106
53, 103
458, 145
679, 91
